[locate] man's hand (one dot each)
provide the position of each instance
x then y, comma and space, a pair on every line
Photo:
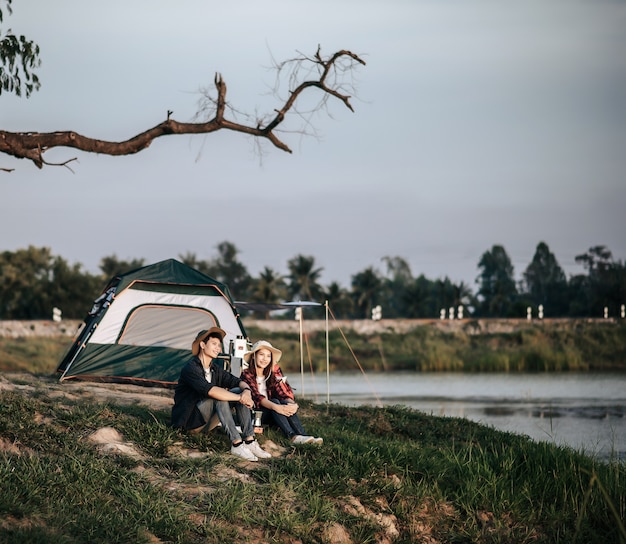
246, 398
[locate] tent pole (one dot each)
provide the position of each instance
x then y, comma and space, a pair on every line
327, 359
301, 354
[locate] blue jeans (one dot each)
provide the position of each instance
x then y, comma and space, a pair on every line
290, 426
223, 408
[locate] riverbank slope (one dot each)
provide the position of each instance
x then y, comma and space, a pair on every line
99, 463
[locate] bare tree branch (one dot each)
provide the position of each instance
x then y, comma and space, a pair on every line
33, 145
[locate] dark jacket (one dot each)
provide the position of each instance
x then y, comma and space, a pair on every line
193, 387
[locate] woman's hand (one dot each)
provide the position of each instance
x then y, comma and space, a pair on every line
287, 409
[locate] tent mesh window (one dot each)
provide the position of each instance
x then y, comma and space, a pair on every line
169, 324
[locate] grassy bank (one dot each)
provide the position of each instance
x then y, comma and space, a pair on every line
39, 355
382, 475
533, 347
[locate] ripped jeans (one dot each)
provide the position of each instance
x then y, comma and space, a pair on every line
223, 408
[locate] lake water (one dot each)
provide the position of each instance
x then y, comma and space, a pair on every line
582, 410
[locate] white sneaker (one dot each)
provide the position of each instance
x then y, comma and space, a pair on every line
256, 449
302, 439
319, 441
243, 452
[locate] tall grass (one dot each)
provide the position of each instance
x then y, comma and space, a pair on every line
533, 347
32, 354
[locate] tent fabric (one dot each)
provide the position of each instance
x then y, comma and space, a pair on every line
141, 328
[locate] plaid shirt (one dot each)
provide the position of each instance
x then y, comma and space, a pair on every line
277, 386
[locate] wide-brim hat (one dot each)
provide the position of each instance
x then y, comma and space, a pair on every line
263, 344
203, 335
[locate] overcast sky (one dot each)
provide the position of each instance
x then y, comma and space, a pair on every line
476, 123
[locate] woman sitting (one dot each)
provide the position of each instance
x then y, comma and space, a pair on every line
271, 393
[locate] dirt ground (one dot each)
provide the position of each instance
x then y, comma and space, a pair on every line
152, 397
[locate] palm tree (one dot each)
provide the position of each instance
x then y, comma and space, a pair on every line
450, 295
191, 259
366, 290
111, 265
606, 282
418, 299
397, 281
303, 279
229, 270
463, 296
269, 288
339, 300
398, 269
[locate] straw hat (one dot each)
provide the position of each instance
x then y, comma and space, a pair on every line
202, 337
262, 344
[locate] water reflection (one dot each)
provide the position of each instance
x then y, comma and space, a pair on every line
584, 411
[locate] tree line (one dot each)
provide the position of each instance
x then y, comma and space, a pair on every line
33, 281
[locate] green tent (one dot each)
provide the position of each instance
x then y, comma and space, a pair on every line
141, 327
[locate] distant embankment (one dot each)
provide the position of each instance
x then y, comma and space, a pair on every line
20, 329
365, 327
463, 345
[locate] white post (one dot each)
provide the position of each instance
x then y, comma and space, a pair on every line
459, 312
623, 311
606, 312
451, 313
327, 359
442, 313
301, 353
540, 311
529, 313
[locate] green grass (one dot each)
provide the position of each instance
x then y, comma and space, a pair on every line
389, 472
